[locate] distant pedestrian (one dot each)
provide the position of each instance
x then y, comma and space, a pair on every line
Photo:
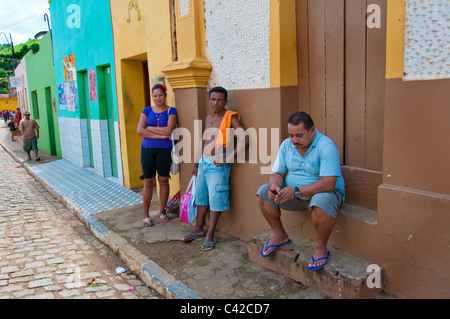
12, 128
5, 115
30, 133
18, 117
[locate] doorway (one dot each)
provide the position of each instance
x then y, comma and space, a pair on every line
136, 96
50, 121
85, 113
341, 80
110, 118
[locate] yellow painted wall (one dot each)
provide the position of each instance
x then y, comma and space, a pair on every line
10, 104
191, 31
283, 43
395, 39
192, 69
135, 41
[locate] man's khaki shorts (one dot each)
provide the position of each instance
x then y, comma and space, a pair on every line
30, 144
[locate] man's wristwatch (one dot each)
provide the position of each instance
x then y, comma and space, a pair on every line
298, 194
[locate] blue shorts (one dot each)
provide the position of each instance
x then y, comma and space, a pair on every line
328, 202
212, 185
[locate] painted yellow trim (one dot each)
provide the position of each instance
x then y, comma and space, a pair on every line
283, 43
192, 70
395, 39
193, 73
191, 31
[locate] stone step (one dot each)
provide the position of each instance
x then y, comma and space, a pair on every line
345, 276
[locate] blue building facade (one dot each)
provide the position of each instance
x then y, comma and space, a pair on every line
86, 85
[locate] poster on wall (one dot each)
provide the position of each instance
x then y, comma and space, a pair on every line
92, 85
68, 97
70, 73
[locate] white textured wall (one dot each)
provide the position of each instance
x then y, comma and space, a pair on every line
237, 43
427, 39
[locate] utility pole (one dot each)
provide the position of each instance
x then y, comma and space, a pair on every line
12, 50
10, 42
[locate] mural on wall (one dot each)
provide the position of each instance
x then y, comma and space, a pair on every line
68, 91
92, 85
133, 4
70, 73
68, 96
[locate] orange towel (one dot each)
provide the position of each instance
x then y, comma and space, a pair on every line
226, 123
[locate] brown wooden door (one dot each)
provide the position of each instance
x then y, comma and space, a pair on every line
342, 75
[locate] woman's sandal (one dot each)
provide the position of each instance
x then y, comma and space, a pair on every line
147, 222
163, 217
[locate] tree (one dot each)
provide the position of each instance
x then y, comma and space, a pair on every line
35, 48
24, 50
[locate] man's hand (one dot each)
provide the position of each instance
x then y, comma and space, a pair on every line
273, 192
286, 194
222, 160
195, 170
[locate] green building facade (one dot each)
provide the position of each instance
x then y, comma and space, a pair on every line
43, 96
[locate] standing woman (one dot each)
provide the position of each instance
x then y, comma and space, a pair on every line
156, 126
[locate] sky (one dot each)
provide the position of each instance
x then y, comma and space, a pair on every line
22, 19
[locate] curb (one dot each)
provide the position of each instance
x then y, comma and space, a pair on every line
148, 271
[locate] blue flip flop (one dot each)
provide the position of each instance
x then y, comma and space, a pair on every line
212, 244
190, 237
318, 267
273, 246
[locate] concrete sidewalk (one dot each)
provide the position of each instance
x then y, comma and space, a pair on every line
176, 269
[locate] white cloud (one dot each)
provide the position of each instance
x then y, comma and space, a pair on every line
22, 19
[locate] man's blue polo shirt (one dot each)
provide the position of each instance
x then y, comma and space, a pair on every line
322, 159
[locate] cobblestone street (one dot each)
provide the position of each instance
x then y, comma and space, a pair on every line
47, 253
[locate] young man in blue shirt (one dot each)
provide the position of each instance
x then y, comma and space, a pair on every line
306, 175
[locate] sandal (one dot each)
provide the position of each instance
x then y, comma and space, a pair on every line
163, 217
208, 246
191, 236
147, 222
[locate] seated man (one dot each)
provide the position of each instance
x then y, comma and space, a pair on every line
306, 174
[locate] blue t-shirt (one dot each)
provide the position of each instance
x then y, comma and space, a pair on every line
155, 120
321, 159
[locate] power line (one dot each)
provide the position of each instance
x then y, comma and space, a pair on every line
19, 11
24, 19
21, 5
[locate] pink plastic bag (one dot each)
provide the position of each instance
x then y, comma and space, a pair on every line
188, 209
